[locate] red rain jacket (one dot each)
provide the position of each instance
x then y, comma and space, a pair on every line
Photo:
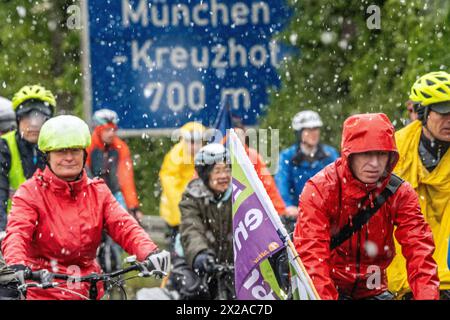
57, 225
267, 179
330, 199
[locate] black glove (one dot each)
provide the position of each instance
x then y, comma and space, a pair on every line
204, 262
20, 267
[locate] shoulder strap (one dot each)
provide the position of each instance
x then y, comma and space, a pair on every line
364, 215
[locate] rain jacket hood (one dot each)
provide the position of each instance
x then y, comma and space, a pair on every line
365, 133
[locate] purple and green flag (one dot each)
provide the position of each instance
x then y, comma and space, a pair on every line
258, 234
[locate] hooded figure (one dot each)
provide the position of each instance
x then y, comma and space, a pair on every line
177, 170
112, 161
356, 269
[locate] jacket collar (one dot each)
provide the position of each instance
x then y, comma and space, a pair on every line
197, 189
300, 156
60, 186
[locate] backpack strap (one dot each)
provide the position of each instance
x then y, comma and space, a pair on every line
364, 215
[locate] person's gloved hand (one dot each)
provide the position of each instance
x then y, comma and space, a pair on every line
204, 262
159, 261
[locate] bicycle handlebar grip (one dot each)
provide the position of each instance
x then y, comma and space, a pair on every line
35, 275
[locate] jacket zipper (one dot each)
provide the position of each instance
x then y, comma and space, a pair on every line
72, 194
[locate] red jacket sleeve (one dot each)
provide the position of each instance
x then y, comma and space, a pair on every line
20, 229
267, 180
416, 240
126, 176
125, 230
312, 240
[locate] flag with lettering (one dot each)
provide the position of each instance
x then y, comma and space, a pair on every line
259, 234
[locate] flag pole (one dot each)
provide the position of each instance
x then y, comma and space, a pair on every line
299, 261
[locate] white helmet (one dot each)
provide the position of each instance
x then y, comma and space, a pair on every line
104, 116
7, 115
207, 157
306, 120
211, 154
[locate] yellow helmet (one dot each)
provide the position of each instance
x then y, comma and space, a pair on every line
36, 92
434, 87
193, 131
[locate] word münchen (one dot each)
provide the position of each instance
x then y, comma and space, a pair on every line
206, 13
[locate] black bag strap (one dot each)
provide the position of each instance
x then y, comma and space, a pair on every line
365, 214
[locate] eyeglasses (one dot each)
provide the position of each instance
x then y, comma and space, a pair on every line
227, 171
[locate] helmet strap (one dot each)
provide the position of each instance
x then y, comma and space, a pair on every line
299, 135
424, 123
85, 155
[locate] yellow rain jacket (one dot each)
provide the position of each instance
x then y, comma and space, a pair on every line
176, 172
434, 197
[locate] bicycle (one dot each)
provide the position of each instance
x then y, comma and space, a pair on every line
45, 280
217, 284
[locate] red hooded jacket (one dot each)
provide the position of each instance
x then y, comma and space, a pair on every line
57, 225
330, 199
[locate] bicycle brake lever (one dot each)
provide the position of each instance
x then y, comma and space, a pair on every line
46, 277
143, 270
158, 274
47, 285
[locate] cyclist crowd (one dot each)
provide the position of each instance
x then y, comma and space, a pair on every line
379, 208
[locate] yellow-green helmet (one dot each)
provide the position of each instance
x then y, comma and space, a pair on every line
434, 87
64, 132
34, 92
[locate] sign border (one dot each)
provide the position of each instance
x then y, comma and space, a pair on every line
86, 62
87, 83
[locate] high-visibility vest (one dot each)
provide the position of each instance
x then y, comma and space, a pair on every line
16, 176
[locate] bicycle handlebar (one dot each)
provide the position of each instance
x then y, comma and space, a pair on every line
221, 268
44, 279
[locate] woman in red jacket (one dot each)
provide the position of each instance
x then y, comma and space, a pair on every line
58, 215
356, 269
